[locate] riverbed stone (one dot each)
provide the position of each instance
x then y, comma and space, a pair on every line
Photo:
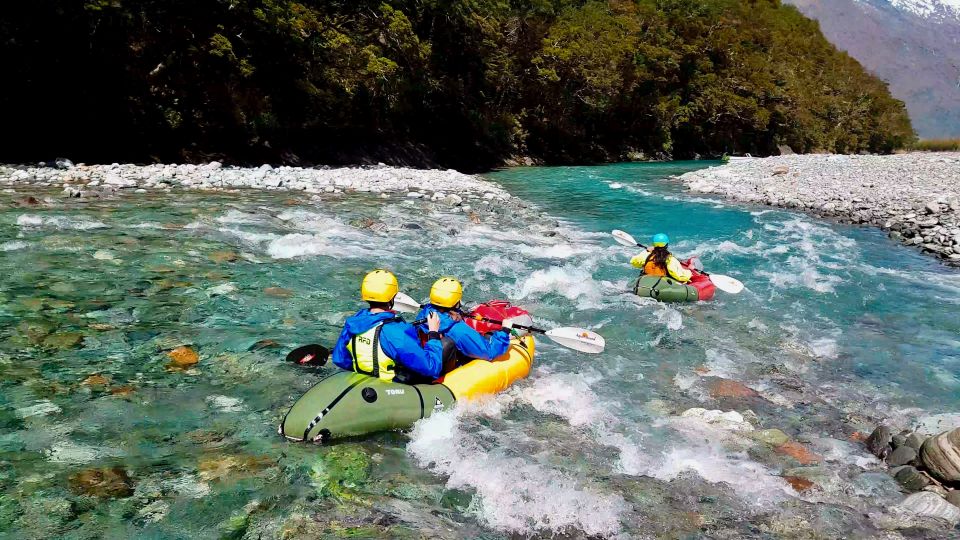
910, 478
953, 497
879, 441
772, 437
63, 340
915, 441
107, 483
799, 452
901, 456
941, 456
183, 357
728, 388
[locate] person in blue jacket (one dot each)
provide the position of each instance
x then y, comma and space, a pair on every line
445, 297
377, 342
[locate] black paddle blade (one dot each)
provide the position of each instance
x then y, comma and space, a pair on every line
309, 355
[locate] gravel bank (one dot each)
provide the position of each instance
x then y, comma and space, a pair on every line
104, 180
916, 197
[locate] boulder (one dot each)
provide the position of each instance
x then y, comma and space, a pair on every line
932, 207
878, 443
914, 441
901, 456
940, 454
930, 505
953, 497
910, 478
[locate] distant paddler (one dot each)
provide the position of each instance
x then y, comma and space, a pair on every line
658, 261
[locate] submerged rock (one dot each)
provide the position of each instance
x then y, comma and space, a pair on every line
224, 256
799, 452
772, 437
278, 292
183, 357
727, 388
109, 483
63, 341
941, 455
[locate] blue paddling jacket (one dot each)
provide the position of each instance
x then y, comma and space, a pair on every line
469, 342
395, 340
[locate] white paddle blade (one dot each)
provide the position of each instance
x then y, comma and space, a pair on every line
405, 304
578, 339
726, 284
624, 238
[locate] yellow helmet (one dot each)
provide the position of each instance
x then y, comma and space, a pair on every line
446, 292
379, 286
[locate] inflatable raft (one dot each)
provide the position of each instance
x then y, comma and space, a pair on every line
348, 404
664, 289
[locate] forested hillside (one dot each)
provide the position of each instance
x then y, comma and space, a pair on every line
464, 83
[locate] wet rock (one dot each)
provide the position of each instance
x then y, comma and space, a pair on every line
940, 454
901, 456
220, 467
879, 441
153, 512
278, 292
953, 497
107, 483
772, 437
910, 478
122, 391
799, 452
727, 388
224, 257
930, 505
343, 466
412, 226
63, 341
914, 441
183, 357
899, 439
95, 380
35, 331
800, 484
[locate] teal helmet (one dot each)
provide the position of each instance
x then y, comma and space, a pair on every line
660, 240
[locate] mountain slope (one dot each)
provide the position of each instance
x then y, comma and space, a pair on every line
914, 45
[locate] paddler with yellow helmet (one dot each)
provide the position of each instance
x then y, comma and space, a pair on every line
446, 295
660, 262
377, 342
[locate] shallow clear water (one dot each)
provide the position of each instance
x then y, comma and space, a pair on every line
838, 329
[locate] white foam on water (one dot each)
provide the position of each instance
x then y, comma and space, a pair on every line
573, 281
615, 185
824, 348
639, 191
497, 265
513, 494
58, 222
555, 251
703, 449
13, 245
291, 246
71, 452
41, 408
225, 403
238, 217
566, 395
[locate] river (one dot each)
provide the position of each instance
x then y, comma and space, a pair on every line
102, 434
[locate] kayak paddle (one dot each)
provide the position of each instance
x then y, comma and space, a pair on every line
578, 339
726, 284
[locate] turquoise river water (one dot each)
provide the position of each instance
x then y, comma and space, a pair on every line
103, 435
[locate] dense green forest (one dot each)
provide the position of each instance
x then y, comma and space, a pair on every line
464, 83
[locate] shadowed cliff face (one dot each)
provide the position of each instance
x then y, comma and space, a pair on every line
912, 44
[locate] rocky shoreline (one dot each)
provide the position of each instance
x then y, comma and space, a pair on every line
915, 196
91, 181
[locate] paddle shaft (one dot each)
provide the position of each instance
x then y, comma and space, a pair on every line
494, 321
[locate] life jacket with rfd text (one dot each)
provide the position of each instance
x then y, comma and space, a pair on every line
368, 356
